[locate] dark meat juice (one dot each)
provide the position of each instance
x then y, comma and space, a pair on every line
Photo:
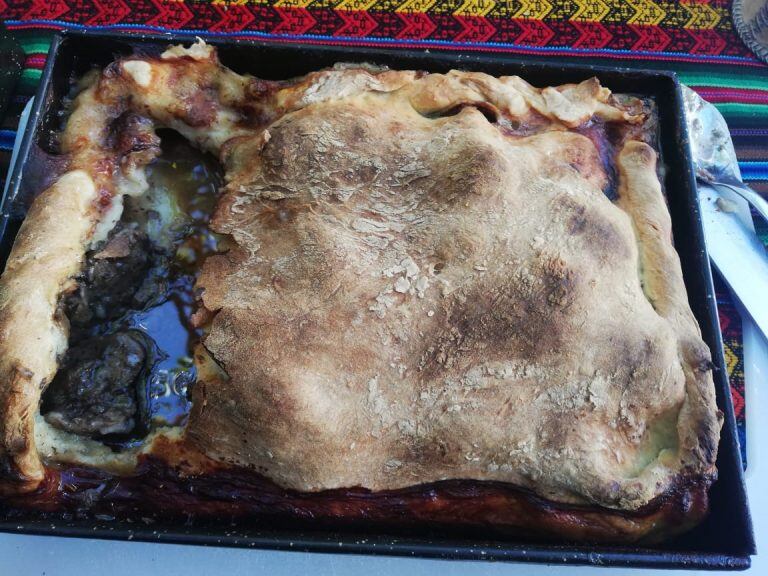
129, 363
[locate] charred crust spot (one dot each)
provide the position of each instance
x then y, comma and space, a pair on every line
594, 229
297, 152
606, 139
260, 89
255, 115
705, 365
698, 357
635, 353
577, 222
477, 171
582, 156
709, 439
130, 133
19, 444
256, 109
513, 319
199, 108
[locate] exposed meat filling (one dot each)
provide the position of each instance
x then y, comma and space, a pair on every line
112, 278
128, 365
97, 392
100, 387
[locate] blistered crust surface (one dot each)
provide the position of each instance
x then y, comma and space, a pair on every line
425, 280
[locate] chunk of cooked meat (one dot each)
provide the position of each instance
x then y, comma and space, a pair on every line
97, 391
112, 277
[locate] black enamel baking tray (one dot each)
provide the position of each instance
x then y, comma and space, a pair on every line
723, 541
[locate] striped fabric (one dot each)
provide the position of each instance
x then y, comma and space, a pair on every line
695, 38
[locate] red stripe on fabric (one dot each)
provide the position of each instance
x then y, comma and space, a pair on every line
721, 99
747, 96
737, 92
447, 27
35, 61
475, 30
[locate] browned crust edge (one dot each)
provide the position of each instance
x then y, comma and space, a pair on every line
159, 493
47, 253
641, 196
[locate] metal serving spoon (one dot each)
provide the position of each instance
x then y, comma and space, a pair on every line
723, 200
713, 155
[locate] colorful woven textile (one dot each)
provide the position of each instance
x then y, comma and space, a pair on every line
696, 38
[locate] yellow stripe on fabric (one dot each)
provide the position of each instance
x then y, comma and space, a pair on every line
689, 14
702, 16
731, 359
356, 4
446, 6
291, 3
419, 6
533, 9
475, 8
327, 4
647, 13
590, 10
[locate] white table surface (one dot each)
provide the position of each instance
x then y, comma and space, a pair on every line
43, 555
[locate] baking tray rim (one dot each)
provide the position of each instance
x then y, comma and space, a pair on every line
325, 541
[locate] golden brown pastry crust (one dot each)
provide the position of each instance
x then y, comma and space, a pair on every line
426, 281
33, 336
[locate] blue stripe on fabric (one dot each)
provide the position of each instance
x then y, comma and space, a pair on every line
751, 170
7, 138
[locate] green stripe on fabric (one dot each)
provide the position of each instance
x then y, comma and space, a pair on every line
28, 81
736, 109
31, 74
725, 81
35, 47
33, 42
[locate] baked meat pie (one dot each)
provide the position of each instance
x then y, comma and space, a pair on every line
418, 298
